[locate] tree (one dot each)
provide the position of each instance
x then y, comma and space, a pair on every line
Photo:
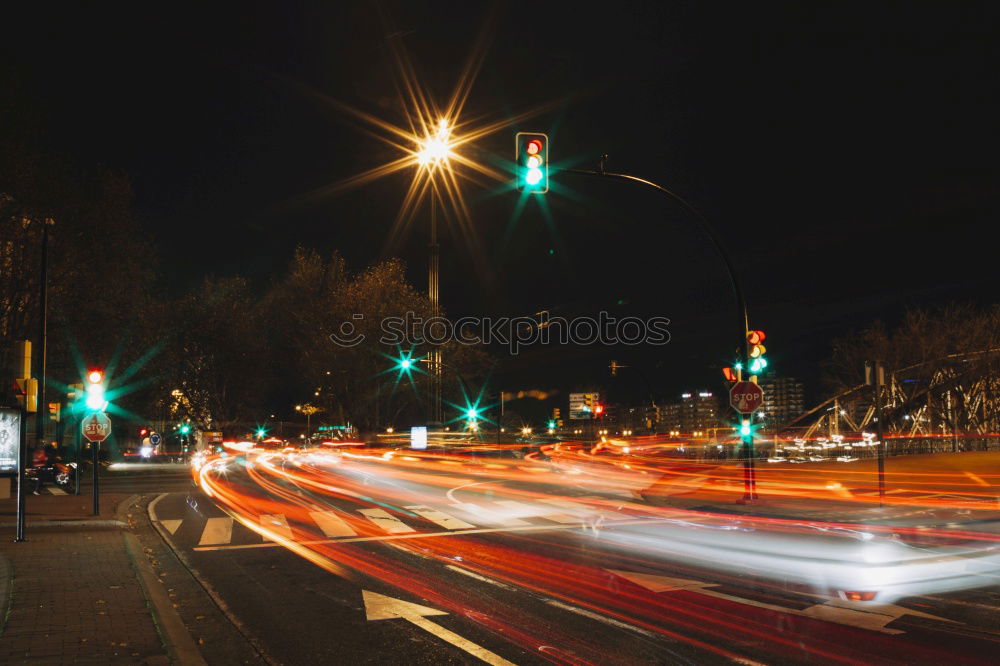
215, 367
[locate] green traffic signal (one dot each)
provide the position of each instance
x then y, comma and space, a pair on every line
531, 155
185, 429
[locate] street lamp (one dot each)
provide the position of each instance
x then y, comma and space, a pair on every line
434, 152
308, 410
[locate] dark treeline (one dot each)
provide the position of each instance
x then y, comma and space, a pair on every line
219, 354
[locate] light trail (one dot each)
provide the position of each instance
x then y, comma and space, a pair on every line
588, 496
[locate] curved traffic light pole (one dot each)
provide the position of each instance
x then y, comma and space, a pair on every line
749, 474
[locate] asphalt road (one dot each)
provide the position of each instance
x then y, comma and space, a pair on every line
549, 585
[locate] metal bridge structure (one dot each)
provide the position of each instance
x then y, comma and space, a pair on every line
951, 402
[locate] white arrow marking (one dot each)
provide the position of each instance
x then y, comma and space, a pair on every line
872, 617
171, 525
381, 607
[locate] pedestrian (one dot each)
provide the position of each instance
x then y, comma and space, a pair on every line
39, 461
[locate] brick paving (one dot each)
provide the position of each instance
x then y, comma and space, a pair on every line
75, 596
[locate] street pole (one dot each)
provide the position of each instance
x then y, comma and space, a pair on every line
434, 295
741, 304
875, 377
879, 380
95, 461
79, 455
22, 461
43, 408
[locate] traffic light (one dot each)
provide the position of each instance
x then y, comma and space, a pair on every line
95, 391
756, 351
598, 410
143, 433
531, 154
185, 429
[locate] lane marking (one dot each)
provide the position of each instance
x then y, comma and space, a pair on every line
470, 574
440, 517
385, 521
217, 531
331, 524
486, 516
171, 525
276, 523
600, 618
425, 535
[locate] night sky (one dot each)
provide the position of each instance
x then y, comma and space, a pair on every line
846, 156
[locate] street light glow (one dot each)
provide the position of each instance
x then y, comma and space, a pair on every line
435, 148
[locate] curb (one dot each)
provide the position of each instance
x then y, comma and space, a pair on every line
205, 585
69, 523
174, 634
6, 586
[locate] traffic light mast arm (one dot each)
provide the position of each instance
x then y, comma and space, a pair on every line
741, 302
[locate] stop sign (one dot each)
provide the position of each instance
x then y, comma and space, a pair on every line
96, 427
746, 397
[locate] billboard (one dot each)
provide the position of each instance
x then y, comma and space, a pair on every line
10, 439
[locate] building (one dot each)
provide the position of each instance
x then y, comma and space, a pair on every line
696, 412
783, 400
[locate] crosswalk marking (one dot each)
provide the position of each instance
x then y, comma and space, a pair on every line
440, 517
217, 530
276, 523
528, 510
577, 506
171, 525
57, 491
489, 517
386, 521
331, 524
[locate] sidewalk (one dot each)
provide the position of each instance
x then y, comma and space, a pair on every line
77, 590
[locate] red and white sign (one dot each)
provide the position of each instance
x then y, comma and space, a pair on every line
746, 397
96, 427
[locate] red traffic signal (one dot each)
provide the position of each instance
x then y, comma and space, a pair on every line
756, 337
143, 432
598, 409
